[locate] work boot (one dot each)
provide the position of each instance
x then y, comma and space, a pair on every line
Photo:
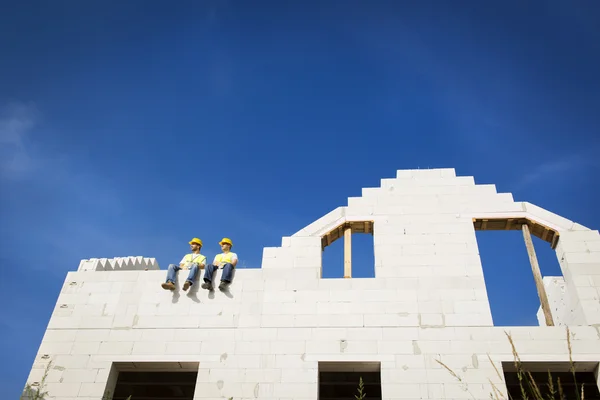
207, 285
223, 286
168, 286
186, 285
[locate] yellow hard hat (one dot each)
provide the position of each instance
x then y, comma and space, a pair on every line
226, 240
196, 240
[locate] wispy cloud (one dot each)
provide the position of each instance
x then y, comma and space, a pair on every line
16, 122
75, 201
83, 213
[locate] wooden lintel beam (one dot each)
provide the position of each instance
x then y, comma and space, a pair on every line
545, 234
537, 276
509, 223
554, 241
484, 224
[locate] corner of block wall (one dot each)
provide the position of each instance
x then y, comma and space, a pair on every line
387, 183
465, 180
505, 197
448, 172
307, 241
370, 192
276, 257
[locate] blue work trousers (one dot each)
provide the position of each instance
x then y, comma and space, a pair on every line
174, 268
227, 275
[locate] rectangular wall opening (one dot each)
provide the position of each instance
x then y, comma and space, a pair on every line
547, 375
155, 381
340, 380
361, 255
506, 264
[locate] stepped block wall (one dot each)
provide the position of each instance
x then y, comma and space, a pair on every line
266, 337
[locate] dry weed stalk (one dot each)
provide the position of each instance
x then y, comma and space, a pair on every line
497, 392
572, 366
529, 388
463, 384
449, 370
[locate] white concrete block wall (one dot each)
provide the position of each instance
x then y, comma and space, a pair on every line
265, 338
580, 263
557, 299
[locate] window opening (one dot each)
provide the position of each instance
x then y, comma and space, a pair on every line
340, 380
155, 385
353, 255
545, 372
513, 260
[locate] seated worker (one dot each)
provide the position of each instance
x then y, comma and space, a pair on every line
192, 261
226, 260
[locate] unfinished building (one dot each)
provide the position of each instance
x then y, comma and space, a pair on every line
284, 332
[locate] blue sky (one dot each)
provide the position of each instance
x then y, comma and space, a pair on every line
126, 128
